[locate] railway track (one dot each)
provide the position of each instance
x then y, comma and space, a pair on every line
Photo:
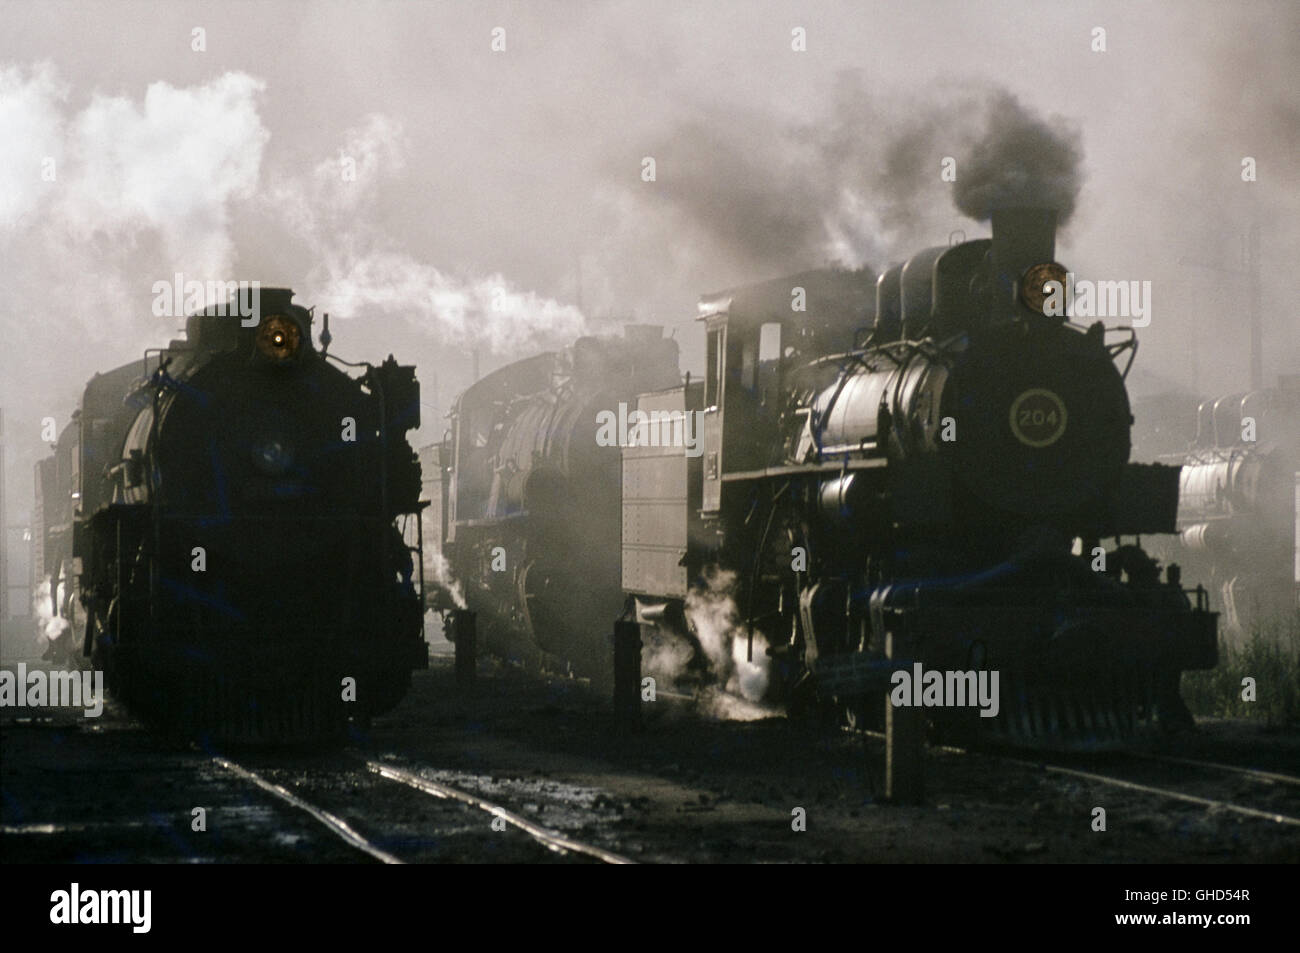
1265, 779
260, 808
335, 825
1209, 803
1268, 776
553, 841
534, 779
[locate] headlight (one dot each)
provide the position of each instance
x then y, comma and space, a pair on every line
1033, 290
278, 338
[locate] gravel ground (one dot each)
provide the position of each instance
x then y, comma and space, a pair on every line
690, 786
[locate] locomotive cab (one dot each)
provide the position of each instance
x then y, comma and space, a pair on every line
754, 335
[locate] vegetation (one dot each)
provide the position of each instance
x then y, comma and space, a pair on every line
1270, 654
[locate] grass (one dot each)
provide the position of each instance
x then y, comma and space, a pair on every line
1270, 654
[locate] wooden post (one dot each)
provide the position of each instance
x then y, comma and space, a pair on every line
465, 637
904, 735
627, 673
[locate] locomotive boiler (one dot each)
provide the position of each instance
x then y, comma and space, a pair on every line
1237, 515
929, 477
530, 498
243, 516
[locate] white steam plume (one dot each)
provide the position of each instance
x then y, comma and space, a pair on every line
97, 203
442, 575
101, 196
360, 272
125, 171
51, 624
712, 613
665, 655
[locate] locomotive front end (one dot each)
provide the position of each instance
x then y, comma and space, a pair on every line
951, 482
1023, 445
250, 577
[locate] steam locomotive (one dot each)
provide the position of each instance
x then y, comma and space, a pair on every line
1237, 515
919, 468
242, 519
526, 508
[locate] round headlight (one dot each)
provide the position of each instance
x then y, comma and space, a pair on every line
278, 338
1036, 294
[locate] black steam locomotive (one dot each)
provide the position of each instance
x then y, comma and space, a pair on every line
529, 510
1237, 516
243, 523
924, 475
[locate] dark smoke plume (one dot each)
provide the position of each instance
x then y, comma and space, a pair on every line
860, 183
1019, 160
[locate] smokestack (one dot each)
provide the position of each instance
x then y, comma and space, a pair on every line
1021, 237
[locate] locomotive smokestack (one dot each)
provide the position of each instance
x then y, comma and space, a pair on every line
1023, 172
1022, 237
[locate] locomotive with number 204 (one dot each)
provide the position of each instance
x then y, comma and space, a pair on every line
241, 516
924, 471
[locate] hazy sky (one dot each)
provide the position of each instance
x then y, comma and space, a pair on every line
498, 201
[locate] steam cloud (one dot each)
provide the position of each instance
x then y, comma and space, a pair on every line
99, 199
712, 612
99, 202
442, 575
169, 165
665, 655
50, 625
714, 618
361, 273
